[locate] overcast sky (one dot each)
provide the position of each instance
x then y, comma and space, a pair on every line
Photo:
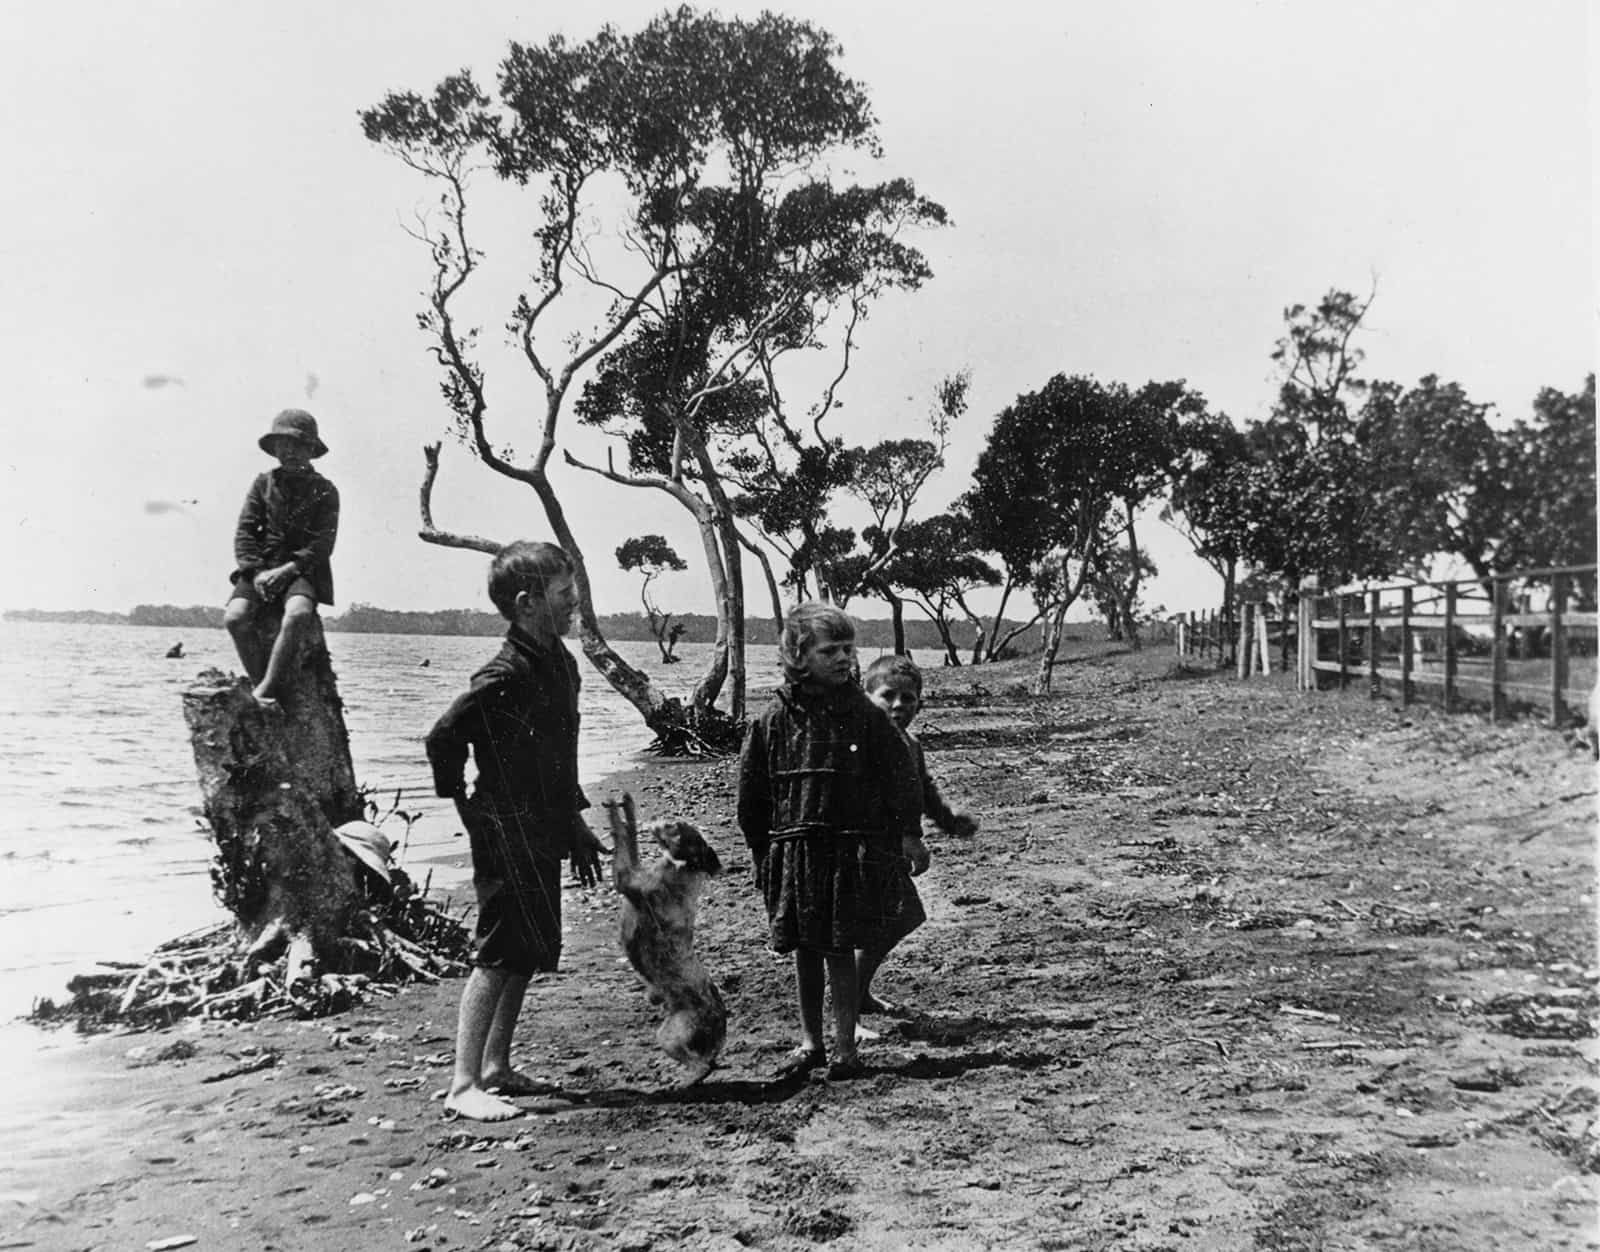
195, 234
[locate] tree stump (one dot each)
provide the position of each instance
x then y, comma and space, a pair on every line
274, 785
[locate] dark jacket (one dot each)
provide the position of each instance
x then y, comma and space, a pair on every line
289, 517
933, 806
519, 719
825, 761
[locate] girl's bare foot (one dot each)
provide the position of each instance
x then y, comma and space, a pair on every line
267, 703
801, 1062
480, 1106
876, 1004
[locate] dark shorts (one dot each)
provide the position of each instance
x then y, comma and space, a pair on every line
519, 893
245, 589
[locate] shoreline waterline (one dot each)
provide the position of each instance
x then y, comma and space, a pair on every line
104, 851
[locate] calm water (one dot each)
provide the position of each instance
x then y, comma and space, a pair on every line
102, 854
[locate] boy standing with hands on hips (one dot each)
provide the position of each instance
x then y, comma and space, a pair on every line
519, 720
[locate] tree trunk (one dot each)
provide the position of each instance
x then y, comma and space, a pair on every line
952, 658
737, 679
992, 646
710, 685
1135, 578
1047, 661
274, 785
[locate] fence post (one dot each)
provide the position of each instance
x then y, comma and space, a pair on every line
1305, 643
1263, 650
1449, 649
1497, 673
1242, 648
1558, 651
1344, 638
1374, 683
1406, 602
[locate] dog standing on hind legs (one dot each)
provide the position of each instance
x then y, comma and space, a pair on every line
659, 902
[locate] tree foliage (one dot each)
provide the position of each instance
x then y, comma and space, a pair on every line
679, 180
1353, 479
1057, 463
652, 556
936, 565
1544, 513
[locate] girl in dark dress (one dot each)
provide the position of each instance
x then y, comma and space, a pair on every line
828, 802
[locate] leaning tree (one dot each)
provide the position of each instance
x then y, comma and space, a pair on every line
677, 224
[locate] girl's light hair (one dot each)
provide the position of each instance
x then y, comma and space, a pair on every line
525, 565
806, 624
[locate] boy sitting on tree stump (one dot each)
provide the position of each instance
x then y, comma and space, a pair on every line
282, 547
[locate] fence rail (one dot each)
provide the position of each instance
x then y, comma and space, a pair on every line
1519, 641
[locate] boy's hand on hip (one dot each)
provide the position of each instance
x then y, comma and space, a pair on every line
586, 850
915, 851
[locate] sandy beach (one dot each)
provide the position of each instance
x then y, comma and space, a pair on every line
1227, 967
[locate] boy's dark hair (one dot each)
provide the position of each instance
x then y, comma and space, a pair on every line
801, 628
888, 667
526, 565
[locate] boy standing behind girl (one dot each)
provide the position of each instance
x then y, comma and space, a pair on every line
830, 805
894, 684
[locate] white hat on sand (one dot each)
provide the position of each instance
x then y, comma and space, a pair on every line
367, 844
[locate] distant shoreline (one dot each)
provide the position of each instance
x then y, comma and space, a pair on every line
363, 619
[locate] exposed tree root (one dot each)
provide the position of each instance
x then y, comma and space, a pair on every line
214, 973
688, 731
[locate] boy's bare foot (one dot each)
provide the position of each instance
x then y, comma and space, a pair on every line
479, 1105
877, 1004
268, 704
846, 1068
513, 1082
863, 1035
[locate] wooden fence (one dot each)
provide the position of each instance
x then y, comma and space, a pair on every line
1512, 645
1249, 637
1523, 641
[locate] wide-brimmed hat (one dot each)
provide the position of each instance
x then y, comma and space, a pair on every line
294, 424
367, 844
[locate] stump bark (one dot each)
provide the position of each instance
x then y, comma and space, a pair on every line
274, 785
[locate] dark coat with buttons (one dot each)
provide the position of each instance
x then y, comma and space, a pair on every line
826, 759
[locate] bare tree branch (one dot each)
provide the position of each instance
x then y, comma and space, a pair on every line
431, 533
